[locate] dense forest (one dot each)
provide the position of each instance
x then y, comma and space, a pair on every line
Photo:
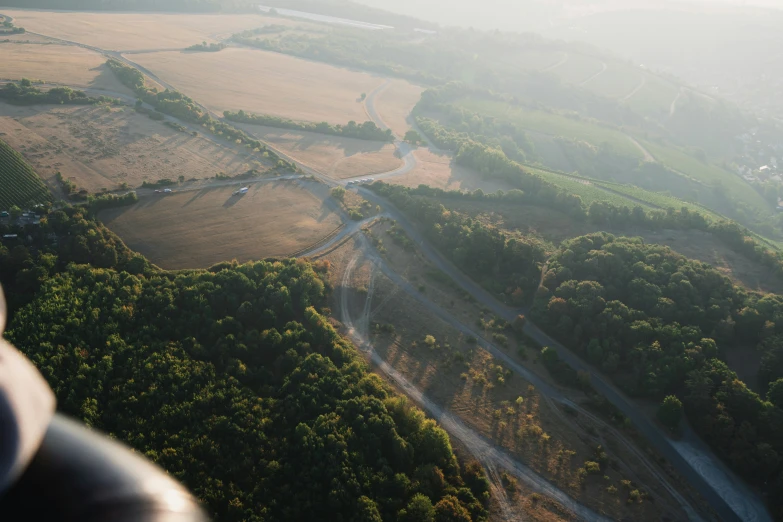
659, 324
505, 265
231, 379
367, 130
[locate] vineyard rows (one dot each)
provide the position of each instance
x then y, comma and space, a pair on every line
19, 184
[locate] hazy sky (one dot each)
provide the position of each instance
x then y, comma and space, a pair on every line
537, 15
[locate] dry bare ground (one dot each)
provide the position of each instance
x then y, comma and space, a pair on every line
136, 31
69, 65
437, 170
98, 148
265, 82
334, 156
395, 103
465, 380
198, 228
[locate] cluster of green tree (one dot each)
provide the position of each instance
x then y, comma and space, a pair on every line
266, 29
67, 235
25, 93
493, 162
176, 104
363, 131
232, 382
8, 27
455, 125
658, 324
205, 47
508, 266
102, 201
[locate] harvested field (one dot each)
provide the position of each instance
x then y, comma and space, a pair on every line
334, 156
65, 64
437, 171
198, 228
97, 147
265, 83
395, 103
135, 31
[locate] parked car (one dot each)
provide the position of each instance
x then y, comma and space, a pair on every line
4, 214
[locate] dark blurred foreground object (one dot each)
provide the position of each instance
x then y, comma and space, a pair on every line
79, 475
52, 468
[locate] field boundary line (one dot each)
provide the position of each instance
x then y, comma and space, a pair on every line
318, 243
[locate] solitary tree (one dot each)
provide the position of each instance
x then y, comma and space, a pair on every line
670, 412
15, 212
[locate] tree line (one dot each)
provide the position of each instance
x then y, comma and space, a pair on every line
176, 104
659, 324
25, 93
232, 380
507, 266
492, 162
449, 125
362, 131
205, 47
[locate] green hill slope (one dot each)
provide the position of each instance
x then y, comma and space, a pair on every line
19, 184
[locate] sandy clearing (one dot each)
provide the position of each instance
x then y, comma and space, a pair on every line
136, 31
334, 156
197, 229
395, 104
69, 65
438, 171
99, 148
265, 82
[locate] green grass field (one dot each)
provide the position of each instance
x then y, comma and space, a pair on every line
577, 68
616, 82
589, 190
706, 173
654, 99
19, 184
555, 125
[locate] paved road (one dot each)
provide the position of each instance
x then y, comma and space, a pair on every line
596, 75
726, 493
563, 60
636, 89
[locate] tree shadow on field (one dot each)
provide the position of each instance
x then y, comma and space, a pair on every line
107, 78
198, 195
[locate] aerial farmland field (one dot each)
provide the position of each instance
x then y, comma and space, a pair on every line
332, 155
395, 103
198, 228
135, 31
265, 83
68, 65
99, 148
